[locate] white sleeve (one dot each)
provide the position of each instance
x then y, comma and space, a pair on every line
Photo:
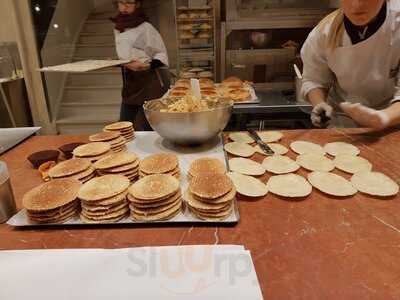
316, 72
123, 46
155, 46
396, 96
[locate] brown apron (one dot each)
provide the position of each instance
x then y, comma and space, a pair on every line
142, 86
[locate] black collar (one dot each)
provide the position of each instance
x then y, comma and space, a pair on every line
361, 33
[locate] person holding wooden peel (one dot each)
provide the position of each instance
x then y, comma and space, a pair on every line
351, 65
146, 76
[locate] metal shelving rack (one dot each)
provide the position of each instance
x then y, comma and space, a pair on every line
276, 17
190, 54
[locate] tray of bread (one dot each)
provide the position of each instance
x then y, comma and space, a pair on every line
231, 88
147, 181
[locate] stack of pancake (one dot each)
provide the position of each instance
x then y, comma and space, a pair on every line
206, 165
126, 164
53, 202
124, 128
103, 199
93, 151
115, 139
155, 198
77, 168
161, 163
210, 197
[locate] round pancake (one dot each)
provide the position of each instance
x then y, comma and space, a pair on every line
123, 168
289, 185
165, 215
315, 162
92, 149
143, 205
277, 148
104, 136
212, 217
118, 141
121, 212
158, 163
239, 149
331, 184
134, 171
93, 159
84, 174
119, 126
154, 210
52, 194
105, 212
352, 164
59, 220
278, 164
339, 148
54, 216
109, 201
92, 207
206, 206
116, 160
106, 221
248, 186
154, 187
53, 213
69, 167
103, 187
303, 147
375, 184
206, 165
210, 186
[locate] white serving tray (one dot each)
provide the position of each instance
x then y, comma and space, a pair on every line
84, 66
145, 144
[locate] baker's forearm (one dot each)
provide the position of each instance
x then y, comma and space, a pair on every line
393, 114
316, 96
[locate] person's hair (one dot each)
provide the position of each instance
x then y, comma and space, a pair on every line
336, 31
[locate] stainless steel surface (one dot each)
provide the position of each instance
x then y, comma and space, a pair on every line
271, 102
7, 202
267, 150
187, 128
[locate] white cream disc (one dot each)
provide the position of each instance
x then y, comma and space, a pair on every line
278, 164
247, 185
303, 147
246, 166
375, 184
277, 148
339, 148
289, 185
241, 137
239, 149
331, 184
352, 164
315, 162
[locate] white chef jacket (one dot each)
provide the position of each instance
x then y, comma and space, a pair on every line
142, 42
366, 73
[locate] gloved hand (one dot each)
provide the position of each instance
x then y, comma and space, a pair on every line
365, 116
321, 113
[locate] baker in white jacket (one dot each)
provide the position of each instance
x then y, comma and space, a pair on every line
351, 65
146, 77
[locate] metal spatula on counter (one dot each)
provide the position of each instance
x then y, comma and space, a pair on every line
264, 147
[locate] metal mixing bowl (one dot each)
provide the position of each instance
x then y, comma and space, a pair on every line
188, 128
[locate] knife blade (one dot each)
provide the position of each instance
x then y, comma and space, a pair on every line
264, 147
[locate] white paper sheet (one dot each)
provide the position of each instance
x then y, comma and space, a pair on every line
9, 137
84, 66
194, 272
